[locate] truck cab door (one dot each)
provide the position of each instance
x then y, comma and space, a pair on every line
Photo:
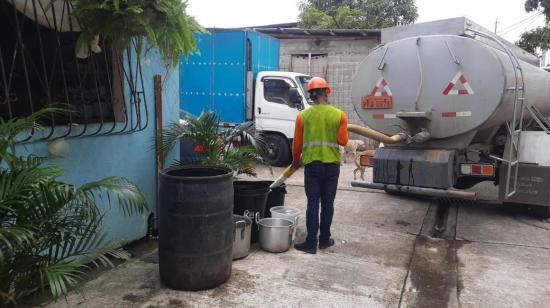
277, 106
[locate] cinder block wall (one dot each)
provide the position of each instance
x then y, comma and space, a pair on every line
344, 56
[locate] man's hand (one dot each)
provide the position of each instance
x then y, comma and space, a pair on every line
296, 164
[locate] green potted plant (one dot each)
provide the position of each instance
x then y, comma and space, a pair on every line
50, 229
164, 23
238, 148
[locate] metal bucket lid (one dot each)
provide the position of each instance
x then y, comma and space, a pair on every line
285, 210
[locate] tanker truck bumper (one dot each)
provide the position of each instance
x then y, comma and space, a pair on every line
433, 168
416, 171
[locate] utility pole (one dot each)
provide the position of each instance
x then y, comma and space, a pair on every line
496, 25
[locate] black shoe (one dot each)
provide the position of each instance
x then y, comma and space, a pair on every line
326, 244
306, 247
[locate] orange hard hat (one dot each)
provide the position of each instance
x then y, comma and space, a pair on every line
318, 83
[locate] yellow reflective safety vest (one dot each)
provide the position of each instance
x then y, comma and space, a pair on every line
321, 124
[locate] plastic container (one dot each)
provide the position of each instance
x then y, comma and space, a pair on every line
250, 198
196, 227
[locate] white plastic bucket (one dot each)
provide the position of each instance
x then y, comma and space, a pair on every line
289, 213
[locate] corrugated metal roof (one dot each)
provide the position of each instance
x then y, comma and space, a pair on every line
299, 32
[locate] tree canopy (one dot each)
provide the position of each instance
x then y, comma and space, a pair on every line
356, 14
539, 38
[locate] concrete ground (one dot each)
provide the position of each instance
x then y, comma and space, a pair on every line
391, 251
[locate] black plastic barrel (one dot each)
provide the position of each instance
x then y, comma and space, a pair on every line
250, 198
276, 197
196, 227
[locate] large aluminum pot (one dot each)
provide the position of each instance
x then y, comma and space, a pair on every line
241, 236
275, 234
289, 213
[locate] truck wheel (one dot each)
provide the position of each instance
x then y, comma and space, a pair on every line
278, 150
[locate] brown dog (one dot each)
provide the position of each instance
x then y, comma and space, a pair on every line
359, 167
350, 150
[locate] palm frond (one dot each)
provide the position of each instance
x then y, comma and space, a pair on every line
61, 277
129, 196
171, 135
12, 238
11, 129
104, 256
238, 148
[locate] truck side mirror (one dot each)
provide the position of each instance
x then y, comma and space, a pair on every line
295, 98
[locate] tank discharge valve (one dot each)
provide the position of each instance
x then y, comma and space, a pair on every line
423, 136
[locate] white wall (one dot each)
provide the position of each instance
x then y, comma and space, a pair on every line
546, 59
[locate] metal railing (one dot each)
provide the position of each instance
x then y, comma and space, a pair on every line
39, 67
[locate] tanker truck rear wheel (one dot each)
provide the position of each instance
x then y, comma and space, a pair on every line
278, 150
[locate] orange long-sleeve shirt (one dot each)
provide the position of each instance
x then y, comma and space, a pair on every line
297, 145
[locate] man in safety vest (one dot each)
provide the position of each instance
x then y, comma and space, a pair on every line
319, 132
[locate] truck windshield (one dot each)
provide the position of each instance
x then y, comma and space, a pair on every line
303, 81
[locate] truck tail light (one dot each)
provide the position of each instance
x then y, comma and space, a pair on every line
484, 170
366, 160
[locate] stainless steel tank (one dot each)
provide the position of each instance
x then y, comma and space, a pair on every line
452, 85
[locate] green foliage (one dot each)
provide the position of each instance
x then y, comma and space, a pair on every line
356, 14
50, 229
237, 148
537, 5
536, 39
164, 23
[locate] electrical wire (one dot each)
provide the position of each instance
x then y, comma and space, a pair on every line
519, 24
531, 23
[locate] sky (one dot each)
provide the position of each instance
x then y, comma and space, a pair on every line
511, 16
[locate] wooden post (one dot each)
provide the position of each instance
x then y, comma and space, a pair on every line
158, 109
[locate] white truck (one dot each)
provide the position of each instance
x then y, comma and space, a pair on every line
236, 74
278, 97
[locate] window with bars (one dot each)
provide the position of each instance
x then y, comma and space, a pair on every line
40, 66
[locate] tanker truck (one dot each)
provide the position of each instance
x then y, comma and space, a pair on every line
455, 105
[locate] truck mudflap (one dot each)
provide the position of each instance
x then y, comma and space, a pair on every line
432, 192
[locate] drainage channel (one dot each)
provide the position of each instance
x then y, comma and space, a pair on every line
432, 279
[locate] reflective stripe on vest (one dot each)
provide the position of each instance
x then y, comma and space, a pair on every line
321, 144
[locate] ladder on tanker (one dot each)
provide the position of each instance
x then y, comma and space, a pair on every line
515, 126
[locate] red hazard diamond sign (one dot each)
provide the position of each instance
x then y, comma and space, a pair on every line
380, 97
381, 89
458, 86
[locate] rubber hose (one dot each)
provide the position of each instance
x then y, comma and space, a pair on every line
376, 135
288, 172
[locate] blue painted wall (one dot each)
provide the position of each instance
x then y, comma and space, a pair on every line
215, 78
131, 156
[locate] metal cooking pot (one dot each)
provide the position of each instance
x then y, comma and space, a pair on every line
275, 234
241, 236
289, 213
